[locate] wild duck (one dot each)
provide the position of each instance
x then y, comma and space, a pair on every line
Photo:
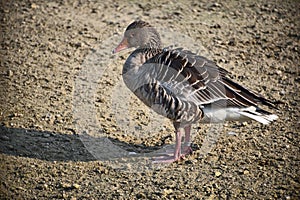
184, 87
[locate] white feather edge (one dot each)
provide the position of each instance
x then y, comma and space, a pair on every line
236, 114
251, 113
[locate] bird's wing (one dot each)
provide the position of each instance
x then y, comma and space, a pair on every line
194, 78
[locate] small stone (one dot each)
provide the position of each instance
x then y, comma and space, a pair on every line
34, 6
223, 60
232, 133
66, 185
246, 172
242, 56
21, 188
167, 192
51, 44
39, 187
294, 103
211, 197
278, 72
94, 10
141, 196
216, 5
10, 73
78, 44
232, 42
217, 173
76, 186
282, 92
245, 123
295, 48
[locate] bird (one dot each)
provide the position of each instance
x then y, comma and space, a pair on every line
184, 87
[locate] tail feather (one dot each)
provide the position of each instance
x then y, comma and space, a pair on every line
259, 115
247, 96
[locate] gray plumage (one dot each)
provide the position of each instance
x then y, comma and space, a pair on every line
184, 87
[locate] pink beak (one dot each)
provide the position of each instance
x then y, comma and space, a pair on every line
122, 46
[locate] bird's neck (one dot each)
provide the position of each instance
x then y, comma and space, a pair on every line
134, 67
138, 58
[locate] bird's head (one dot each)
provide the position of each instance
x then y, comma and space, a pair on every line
139, 34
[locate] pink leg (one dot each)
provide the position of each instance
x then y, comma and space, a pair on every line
187, 141
177, 152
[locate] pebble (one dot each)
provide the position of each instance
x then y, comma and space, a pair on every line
294, 103
245, 123
282, 92
10, 73
167, 192
231, 42
78, 44
66, 185
21, 188
34, 6
246, 172
278, 72
76, 186
211, 197
141, 196
217, 173
232, 133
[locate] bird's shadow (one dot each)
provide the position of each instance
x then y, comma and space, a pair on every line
52, 146
43, 145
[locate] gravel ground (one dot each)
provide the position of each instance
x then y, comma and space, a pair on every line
59, 83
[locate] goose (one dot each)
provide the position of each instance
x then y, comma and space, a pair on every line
184, 87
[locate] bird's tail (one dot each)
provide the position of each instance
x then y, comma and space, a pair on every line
258, 114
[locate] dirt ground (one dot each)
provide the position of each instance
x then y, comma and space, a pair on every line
59, 83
